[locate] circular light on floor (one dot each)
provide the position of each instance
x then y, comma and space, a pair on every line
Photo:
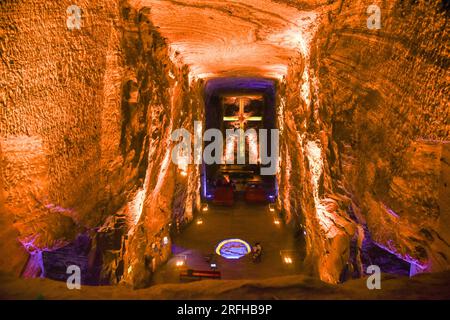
233, 248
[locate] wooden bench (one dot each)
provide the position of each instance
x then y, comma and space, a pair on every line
193, 275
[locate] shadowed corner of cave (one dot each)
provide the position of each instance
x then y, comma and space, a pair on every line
345, 154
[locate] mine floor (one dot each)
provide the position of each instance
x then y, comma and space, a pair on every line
251, 223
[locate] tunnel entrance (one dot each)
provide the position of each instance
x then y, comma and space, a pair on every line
240, 108
238, 214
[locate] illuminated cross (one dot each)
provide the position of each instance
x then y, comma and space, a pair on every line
242, 118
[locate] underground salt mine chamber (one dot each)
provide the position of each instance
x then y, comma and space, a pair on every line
276, 143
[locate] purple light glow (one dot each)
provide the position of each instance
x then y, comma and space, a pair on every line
35, 264
406, 257
238, 84
59, 209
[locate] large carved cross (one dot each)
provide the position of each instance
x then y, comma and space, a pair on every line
242, 118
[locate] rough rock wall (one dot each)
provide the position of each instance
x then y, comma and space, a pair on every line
377, 115
52, 106
84, 124
385, 93
167, 197
310, 196
13, 255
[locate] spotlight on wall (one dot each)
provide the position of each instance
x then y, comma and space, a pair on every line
276, 222
302, 227
199, 221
